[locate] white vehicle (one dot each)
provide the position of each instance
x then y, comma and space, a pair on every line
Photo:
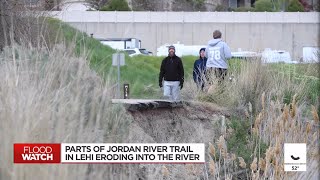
137, 51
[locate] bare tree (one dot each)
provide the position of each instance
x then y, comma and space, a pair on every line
20, 22
9, 11
52, 5
97, 4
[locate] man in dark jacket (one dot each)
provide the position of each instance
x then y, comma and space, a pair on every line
171, 75
199, 69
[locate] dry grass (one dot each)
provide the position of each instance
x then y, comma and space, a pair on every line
190, 90
248, 80
280, 112
280, 125
275, 125
54, 97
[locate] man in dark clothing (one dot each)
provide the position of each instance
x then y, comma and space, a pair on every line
199, 69
172, 73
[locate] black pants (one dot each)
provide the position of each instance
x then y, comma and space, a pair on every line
220, 73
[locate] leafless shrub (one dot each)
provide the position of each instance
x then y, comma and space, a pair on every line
51, 96
23, 22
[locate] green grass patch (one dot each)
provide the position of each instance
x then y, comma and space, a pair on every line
241, 142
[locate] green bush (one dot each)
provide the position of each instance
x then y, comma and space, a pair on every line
316, 7
295, 6
263, 5
241, 141
221, 8
244, 9
116, 5
198, 3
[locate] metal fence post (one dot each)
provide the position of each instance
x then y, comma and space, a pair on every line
118, 58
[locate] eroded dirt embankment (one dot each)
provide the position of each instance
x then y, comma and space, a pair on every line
192, 123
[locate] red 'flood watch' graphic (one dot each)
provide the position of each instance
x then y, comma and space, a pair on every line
36, 153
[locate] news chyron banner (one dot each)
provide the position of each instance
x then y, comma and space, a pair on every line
36, 153
83, 153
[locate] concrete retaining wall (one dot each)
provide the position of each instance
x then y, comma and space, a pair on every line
248, 31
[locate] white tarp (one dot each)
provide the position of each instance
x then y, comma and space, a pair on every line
275, 56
